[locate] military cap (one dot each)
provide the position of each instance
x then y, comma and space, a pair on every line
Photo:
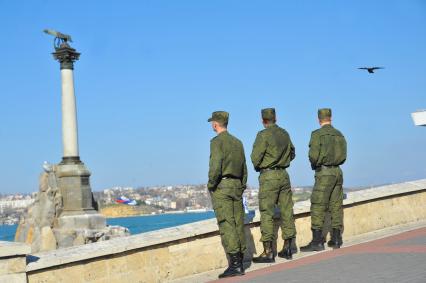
219, 116
268, 114
324, 113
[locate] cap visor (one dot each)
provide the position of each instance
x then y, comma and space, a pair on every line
210, 119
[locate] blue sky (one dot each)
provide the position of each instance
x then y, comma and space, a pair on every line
151, 72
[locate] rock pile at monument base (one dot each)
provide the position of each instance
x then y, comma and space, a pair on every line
45, 228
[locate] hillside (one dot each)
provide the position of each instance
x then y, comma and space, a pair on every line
121, 210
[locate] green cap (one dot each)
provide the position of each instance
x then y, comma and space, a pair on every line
219, 116
324, 113
268, 114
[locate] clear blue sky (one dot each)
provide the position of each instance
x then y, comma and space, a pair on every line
151, 72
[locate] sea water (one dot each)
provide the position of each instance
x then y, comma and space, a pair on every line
136, 224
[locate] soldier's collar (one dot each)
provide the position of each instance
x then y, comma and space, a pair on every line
271, 125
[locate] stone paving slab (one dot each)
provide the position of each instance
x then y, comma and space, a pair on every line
374, 261
354, 269
418, 241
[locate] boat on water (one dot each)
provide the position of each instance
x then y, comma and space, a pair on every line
419, 117
10, 222
189, 210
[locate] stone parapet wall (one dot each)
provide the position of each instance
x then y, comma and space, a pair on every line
13, 262
173, 253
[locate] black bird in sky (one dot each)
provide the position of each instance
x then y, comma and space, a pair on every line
371, 69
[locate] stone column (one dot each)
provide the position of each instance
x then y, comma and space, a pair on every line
69, 115
72, 173
78, 217
67, 56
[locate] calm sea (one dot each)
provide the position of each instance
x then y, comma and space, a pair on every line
138, 224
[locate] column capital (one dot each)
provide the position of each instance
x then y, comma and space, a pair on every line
66, 55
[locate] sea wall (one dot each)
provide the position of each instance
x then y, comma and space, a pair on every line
173, 253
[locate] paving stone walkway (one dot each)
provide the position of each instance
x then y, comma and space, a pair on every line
397, 258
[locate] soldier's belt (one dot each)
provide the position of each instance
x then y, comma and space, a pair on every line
319, 168
271, 169
229, 177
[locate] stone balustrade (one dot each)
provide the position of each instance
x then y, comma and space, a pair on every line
172, 253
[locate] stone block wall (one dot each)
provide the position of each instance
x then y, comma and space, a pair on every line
13, 262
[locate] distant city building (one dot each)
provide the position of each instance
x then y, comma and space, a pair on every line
189, 198
16, 203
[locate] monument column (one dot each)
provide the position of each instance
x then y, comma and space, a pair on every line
79, 215
65, 206
72, 173
67, 56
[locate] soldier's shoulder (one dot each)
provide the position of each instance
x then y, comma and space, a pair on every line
338, 132
238, 141
228, 137
233, 140
263, 132
232, 137
316, 132
282, 130
214, 139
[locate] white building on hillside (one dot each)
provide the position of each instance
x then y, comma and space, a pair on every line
16, 203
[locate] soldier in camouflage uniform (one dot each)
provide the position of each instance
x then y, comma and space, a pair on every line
272, 153
327, 151
227, 182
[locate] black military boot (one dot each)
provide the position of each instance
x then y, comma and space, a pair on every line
234, 266
288, 249
267, 255
336, 239
317, 243
241, 267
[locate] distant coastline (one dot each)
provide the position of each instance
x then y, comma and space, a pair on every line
124, 211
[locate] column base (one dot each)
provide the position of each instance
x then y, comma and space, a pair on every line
71, 160
81, 220
74, 183
79, 229
84, 228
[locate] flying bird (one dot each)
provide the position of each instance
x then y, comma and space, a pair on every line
371, 69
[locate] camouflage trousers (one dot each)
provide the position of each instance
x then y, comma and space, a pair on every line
228, 207
275, 190
327, 194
